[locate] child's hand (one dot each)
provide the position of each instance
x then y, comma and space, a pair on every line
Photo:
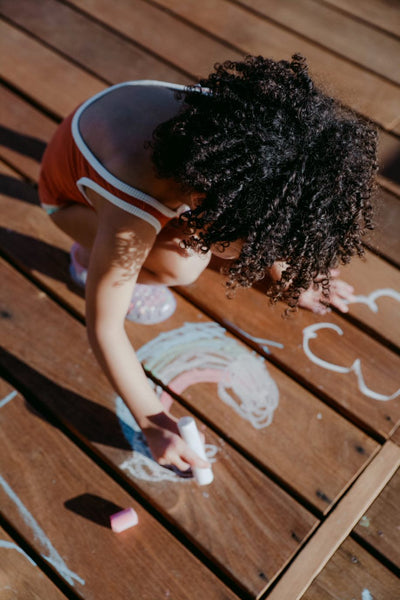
167, 446
340, 291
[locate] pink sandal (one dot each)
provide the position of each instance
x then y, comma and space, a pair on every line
150, 304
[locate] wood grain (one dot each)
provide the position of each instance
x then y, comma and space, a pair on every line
25, 132
243, 513
42, 74
352, 573
364, 91
396, 436
249, 315
385, 239
299, 415
356, 41
380, 525
380, 13
20, 577
60, 501
184, 46
334, 530
94, 47
367, 276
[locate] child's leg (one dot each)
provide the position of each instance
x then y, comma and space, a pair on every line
167, 263
80, 223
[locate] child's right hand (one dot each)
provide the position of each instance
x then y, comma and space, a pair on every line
167, 446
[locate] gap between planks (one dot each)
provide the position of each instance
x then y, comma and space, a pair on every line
335, 529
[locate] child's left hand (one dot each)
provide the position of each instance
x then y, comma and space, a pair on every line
340, 291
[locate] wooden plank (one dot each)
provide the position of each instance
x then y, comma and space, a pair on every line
396, 436
389, 161
37, 246
334, 530
385, 239
43, 74
25, 132
353, 573
379, 526
91, 45
183, 46
338, 344
377, 288
356, 41
20, 577
362, 90
264, 523
60, 501
381, 13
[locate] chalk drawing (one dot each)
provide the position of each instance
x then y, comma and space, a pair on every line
11, 545
141, 464
310, 333
366, 595
260, 341
53, 557
8, 398
370, 300
364, 521
203, 352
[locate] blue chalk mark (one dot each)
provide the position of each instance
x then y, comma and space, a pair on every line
53, 558
8, 398
262, 342
366, 595
131, 430
7, 544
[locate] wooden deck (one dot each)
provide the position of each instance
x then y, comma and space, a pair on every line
301, 416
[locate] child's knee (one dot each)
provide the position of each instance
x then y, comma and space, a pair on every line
185, 271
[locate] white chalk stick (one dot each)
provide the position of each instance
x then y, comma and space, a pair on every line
189, 432
124, 519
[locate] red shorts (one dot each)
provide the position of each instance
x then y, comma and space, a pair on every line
69, 168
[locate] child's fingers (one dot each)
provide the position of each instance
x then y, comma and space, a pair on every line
340, 304
194, 459
343, 289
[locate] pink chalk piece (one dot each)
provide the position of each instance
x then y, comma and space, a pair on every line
123, 520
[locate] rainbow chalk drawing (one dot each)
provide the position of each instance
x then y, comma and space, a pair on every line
202, 352
194, 353
370, 300
53, 557
309, 333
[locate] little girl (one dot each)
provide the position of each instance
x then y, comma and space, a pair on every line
254, 164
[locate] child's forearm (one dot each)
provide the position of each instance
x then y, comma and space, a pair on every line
119, 362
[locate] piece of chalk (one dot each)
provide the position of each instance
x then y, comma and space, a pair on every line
189, 432
123, 520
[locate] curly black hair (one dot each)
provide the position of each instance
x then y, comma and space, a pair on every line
283, 166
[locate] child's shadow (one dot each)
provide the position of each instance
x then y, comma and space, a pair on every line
53, 403
33, 254
22, 143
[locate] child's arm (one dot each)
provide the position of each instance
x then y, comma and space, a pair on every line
120, 248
